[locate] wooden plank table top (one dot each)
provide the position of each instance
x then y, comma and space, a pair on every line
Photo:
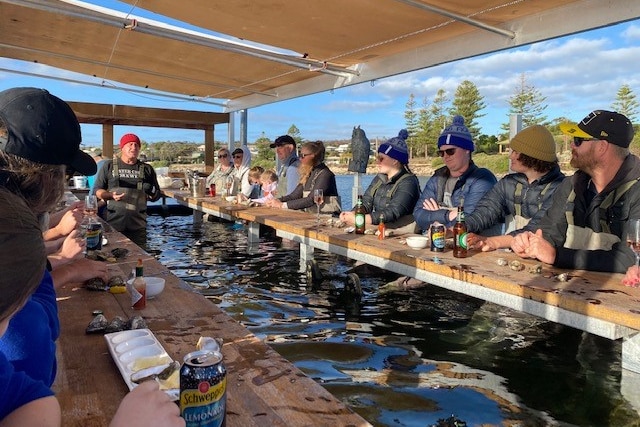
262, 387
593, 294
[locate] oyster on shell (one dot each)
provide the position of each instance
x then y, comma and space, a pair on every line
96, 284
502, 262
160, 372
117, 324
97, 325
119, 252
136, 322
116, 280
516, 265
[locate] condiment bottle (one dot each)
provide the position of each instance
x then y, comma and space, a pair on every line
381, 228
139, 288
460, 235
360, 213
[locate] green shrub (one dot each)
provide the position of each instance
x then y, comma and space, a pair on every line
496, 163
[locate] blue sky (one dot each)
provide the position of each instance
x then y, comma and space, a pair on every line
577, 74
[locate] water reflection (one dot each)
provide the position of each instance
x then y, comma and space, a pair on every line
399, 357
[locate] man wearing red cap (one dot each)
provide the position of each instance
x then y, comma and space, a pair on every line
126, 184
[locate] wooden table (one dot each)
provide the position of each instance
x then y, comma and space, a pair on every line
594, 302
263, 389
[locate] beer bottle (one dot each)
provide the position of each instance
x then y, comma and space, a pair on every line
139, 288
460, 236
360, 212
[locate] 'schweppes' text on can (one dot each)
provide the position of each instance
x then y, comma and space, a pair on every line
203, 388
437, 232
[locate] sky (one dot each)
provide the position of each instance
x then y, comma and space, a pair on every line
576, 74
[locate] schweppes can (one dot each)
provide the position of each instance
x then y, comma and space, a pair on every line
203, 389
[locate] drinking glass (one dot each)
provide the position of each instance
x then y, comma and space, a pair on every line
318, 199
91, 205
633, 238
229, 185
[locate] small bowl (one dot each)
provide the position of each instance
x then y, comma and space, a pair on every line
230, 199
417, 242
155, 286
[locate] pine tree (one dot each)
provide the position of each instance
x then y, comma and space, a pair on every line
424, 125
294, 133
626, 103
439, 119
411, 123
529, 102
467, 102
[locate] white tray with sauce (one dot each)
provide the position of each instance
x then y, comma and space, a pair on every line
128, 346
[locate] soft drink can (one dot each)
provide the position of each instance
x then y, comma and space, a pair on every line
212, 190
437, 232
203, 388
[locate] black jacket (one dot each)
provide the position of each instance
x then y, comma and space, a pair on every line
588, 214
321, 177
393, 197
500, 201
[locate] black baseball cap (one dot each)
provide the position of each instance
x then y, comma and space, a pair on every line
283, 140
42, 128
613, 127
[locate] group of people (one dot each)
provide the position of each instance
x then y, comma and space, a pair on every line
40, 250
576, 222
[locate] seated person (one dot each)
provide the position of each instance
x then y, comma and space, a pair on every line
221, 172
314, 174
585, 227
458, 183
241, 162
394, 191
521, 198
269, 186
25, 401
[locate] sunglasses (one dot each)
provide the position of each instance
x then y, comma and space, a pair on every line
379, 159
448, 152
237, 156
577, 140
303, 155
223, 156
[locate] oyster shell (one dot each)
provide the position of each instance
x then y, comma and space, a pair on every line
97, 325
116, 280
536, 269
160, 372
516, 265
119, 252
502, 262
563, 277
117, 324
96, 284
136, 322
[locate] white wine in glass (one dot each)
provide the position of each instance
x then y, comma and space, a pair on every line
633, 238
91, 205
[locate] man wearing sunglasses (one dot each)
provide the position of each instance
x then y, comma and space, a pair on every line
458, 183
586, 225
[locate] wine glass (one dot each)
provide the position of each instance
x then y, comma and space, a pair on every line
318, 199
90, 206
633, 238
229, 185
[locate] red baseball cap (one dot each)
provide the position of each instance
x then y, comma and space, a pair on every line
127, 138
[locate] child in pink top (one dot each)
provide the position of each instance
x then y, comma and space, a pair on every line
269, 183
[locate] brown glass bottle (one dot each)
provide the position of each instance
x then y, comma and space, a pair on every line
359, 216
460, 236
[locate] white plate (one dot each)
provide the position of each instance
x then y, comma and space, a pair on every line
128, 346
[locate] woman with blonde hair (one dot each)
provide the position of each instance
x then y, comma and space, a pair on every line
314, 174
221, 172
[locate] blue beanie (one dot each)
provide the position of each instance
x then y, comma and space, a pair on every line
457, 134
396, 148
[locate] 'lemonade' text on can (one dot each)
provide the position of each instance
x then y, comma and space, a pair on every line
437, 232
203, 387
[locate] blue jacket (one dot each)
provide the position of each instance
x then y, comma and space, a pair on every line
470, 187
17, 388
30, 340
